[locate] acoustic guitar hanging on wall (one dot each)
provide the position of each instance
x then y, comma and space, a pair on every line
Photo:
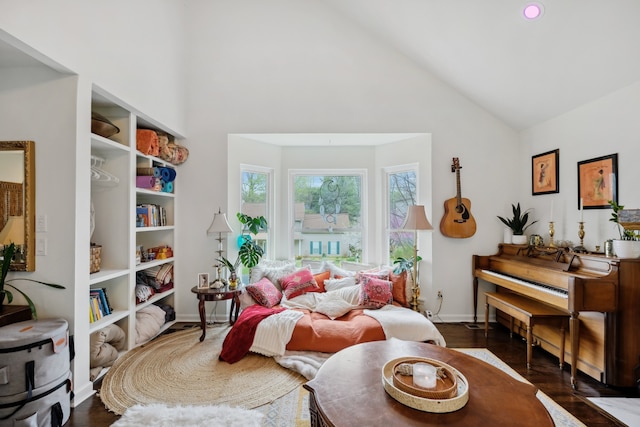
457, 220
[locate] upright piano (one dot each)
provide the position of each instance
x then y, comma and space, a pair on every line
601, 295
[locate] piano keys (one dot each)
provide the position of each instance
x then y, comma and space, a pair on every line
599, 293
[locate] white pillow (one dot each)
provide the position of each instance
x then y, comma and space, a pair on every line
335, 284
337, 271
334, 308
350, 294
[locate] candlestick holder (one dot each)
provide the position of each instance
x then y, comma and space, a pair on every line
551, 233
581, 247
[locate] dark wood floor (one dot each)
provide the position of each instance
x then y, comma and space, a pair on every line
544, 374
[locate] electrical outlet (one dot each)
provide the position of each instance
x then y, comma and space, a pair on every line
429, 314
439, 294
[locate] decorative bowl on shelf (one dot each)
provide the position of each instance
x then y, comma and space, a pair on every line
100, 125
415, 401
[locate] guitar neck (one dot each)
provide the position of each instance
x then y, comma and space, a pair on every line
458, 191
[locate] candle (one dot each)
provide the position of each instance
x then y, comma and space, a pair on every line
581, 210
424, 375
551, 212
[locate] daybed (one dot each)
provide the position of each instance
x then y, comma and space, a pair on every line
289, 308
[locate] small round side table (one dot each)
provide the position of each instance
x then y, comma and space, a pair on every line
221, 294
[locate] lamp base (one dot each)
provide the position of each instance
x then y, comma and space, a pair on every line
217, 284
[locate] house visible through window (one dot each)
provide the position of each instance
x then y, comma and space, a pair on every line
328, 214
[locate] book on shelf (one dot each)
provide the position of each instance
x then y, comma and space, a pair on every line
150, 215
98, 304
104, 306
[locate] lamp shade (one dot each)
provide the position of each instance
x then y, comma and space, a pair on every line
219, 224
13, 231
417, 219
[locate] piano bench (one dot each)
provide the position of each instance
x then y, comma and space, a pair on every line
528, 311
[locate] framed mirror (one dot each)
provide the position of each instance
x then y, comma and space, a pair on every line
17, 201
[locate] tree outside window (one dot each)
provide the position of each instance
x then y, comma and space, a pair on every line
401, 193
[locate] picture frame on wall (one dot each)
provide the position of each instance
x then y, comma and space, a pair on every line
203, 280
545, 173
598, 182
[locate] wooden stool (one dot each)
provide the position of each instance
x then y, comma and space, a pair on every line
528, 311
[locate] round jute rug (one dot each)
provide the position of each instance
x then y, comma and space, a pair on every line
178, 369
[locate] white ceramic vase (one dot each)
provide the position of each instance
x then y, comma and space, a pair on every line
519, 239
626, 248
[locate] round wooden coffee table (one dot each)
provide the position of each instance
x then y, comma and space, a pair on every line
348, 391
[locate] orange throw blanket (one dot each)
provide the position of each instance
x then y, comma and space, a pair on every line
317, 332
240, 338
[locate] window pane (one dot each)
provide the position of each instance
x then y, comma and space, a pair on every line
255, 192
328, 216
402, 194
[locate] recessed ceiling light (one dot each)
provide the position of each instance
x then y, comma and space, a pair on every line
533, 11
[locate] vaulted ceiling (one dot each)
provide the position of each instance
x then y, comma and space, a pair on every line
523, 72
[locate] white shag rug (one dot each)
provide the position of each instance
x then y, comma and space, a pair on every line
159, 415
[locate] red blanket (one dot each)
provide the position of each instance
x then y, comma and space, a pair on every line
240, 338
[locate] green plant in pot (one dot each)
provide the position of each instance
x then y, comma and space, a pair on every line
628, 245
250, 252
518, 223
8, 253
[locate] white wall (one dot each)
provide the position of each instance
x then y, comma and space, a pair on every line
606, 126
286, 66
297, 67
133, 49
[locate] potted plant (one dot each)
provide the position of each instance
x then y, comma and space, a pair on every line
8, 253
249, 253
518, 224
628, 245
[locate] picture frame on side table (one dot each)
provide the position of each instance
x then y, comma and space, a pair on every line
545, 173
598, 182
203, 280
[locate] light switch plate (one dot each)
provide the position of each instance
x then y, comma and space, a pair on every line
41, 224
41, 247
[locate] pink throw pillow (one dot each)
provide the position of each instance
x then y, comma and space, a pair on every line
375, 293
264, 292
298, 283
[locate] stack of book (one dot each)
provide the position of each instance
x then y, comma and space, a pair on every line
99, 306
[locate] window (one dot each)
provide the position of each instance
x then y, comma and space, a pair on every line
256, 184
328, 214
401, 193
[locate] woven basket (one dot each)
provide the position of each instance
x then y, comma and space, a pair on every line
446, 387
95, 258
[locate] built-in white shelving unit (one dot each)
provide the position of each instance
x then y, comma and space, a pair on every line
114, 199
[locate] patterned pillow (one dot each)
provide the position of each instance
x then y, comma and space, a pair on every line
272, 270
378, 273
264, 292
298, 283
375, 293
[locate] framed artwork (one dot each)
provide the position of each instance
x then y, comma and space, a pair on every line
203, 281
598, 182
545, 173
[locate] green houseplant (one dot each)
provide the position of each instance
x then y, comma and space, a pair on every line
628, 245
8, 253
249, 253
519, 222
